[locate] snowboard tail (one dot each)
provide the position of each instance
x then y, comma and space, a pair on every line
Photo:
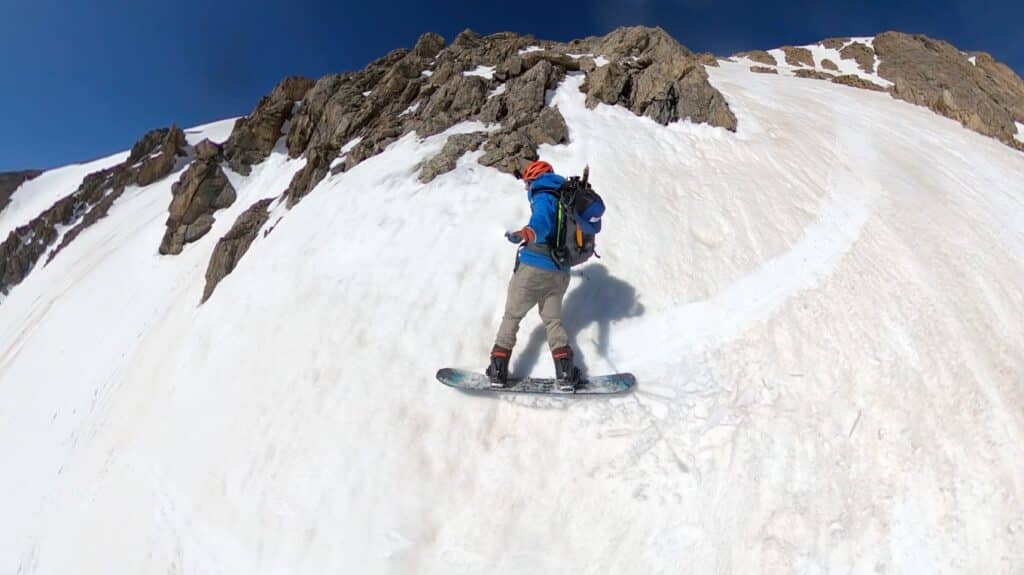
597, 385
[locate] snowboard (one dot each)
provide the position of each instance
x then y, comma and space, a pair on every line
597, 385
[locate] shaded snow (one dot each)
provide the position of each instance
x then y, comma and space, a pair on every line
820, 310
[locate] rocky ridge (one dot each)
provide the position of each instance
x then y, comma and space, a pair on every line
500, 80
974, 89
153, 157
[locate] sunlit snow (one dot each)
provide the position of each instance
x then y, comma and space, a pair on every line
821, 310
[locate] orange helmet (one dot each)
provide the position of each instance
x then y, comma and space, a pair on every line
535, 169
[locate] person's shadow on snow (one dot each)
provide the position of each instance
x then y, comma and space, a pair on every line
599, 298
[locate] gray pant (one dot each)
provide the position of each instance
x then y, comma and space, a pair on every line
530, 287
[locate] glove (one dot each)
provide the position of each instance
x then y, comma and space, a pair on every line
520, 236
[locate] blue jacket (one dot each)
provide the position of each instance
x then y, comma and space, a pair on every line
544, 208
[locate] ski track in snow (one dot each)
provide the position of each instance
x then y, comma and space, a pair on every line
820, 310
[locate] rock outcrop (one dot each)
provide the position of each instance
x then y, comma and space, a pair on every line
974, 89
798, 56
501, 81
814, 74
152, 158
860, 53
655, 76
255, 135
201, 190
10, 181
234, 244
759, 56
986, 96
764, 70
857, 82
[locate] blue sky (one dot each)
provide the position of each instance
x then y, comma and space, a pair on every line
82, 79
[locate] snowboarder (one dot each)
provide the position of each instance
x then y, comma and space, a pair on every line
538, 280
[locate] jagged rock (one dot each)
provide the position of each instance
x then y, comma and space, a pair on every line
987, 97
813, 74
202, 189
548, 128
829, 65
206, 150
428, 45
857, 82
764, 70
798, 56
508, 151
198, 228
156, 167
759, 56
255, 135
230, 248
862, 54
11, 181
312, 109
663, 80
318, 162
454, 148
834, 43
607, 84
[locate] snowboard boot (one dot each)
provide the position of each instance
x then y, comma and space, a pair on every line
497, 371
567, 375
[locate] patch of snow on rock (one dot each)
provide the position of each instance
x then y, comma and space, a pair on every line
486, 72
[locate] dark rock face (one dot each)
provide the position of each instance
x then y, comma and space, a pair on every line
234, 244
151, 159
10, 181
201, 190
987, 98
829, 65
254, 136
862, 54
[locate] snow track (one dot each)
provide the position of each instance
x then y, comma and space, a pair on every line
821, 311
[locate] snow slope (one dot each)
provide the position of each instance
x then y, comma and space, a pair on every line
822, 311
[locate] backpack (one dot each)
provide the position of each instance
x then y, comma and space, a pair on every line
578, 220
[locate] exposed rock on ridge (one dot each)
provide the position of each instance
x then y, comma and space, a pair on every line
152, 158
987, 97
201, 190
233, 245
500, 80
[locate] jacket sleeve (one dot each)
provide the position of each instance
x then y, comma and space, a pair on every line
542, 219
